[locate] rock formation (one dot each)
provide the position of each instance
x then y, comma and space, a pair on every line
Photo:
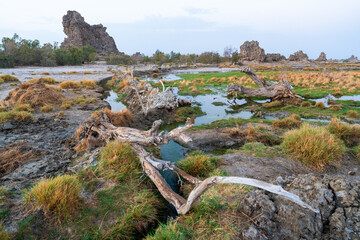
79, 33
322, 57
299, 56
274, 218
274, 57
251, 51
352, 59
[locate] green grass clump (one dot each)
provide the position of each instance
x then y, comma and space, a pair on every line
258, 149
118, 161
349, 133
198, 164
313, 146
14, 115
293, 121
59, 195
8, 78
183, 113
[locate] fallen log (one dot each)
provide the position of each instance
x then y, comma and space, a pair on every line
274, 91
100, 127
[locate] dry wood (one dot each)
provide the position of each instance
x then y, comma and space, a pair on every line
101, 128
275, 91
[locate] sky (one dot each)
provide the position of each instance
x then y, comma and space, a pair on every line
195, 26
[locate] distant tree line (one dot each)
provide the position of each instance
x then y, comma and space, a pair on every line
160, 58
16, 51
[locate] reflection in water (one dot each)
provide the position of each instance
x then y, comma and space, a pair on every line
115, 105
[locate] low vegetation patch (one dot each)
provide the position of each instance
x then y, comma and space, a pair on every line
48, 80
59, 195
183, 113
218, 103
8, 78
119, 119
349, 133
272, 104
15, 115
335, 108
305, 104
320, 105
36, 94
23, 107
258, 149
352, 114
70, 84
293, 121
88, 83
198, 164
313, 146
46, 108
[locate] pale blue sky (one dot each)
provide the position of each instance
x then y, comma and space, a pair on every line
188, 26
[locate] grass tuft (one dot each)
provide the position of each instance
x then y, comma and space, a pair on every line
352, 114
272, 104
313, 146
349, 133
70, 84
8, 78
293, 121
46, 108
320, 105
59, 195
198, 164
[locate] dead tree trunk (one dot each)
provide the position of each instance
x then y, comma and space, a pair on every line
275, 91
101, 129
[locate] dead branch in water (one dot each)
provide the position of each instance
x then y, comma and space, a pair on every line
101, 128
275, 91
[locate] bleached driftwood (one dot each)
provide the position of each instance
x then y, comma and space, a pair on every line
105, 131
274, 91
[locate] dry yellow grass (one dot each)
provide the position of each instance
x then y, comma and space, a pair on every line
45, 73
335, 108
352, 114
87, 72
48, 80
88, 83
46, 108
320, 105
70, 84
23, 107
59, 195
314, 146
293, 121
305, 104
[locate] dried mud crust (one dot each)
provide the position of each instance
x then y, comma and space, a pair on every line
272, 217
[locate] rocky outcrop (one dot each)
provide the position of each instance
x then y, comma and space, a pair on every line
322, 57
274, 57
352, 59
251, 51
299, 56
79, 33
273, 217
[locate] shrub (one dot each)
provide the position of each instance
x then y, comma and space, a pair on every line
320, 105
313, 146
305, 104
8, 78
46, 108
293, 121
350, 134
198, 164
59, 195
335, 108
352, 114
272, 104
70, 84
88, 83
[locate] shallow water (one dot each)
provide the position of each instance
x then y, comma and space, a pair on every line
116, 106
325, 99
